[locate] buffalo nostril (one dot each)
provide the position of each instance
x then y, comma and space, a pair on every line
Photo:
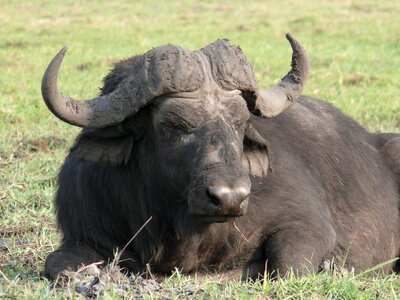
243, 204
213, 196
242, 194
221, 198
228, 201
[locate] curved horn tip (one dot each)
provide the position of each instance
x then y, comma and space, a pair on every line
62, 51
293, 42
52, 70
300, 61
289, 36
275, 100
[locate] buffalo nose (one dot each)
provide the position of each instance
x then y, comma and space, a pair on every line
228, 201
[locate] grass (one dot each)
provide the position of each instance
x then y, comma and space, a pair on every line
354, 48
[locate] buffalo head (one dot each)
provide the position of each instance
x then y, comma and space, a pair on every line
188, 114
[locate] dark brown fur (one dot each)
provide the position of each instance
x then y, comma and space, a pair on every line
322, 188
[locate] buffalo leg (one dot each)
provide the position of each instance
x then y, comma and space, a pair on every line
69, 257
299, 250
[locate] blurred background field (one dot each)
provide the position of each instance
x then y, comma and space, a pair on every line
354, 49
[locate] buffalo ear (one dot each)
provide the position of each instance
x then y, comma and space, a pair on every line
255, 153
114, 144
108, 145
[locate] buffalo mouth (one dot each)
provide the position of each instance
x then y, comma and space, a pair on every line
216, 219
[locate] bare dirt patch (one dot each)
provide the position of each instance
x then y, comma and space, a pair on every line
91, 281
42, 144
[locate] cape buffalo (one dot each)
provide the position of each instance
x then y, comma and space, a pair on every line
233, 179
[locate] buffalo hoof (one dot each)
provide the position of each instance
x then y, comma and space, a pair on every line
69, 258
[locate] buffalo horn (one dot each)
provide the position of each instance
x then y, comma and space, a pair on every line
273, 101
100, 112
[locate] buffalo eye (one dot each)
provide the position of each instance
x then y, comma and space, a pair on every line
173, 133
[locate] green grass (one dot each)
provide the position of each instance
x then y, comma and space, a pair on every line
354, 48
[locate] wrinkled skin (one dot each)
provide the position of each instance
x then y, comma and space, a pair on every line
217, 153
322, 187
